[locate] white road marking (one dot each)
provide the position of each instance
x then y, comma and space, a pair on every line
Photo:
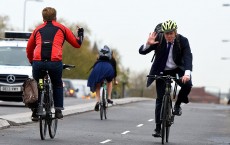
139, 125
150, 120
106, 141
125, 132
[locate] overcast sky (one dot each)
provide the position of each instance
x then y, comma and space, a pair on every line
125, 25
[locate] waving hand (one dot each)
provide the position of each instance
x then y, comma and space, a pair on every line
151, 39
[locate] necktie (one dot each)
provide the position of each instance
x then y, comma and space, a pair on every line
169, 45
165, 57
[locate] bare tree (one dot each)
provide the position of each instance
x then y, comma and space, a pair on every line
3, 24
137, 85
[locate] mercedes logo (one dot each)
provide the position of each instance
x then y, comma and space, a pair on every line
10, 78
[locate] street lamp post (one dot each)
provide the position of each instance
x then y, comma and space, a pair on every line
226, 5
24, 13
225, 40
225, 58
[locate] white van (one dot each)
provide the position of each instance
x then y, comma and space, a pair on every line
82, 90
14, 66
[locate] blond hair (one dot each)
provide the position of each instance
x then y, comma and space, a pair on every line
49, 14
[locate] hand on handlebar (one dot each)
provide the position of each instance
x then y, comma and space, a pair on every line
80, 31
185, 78
116, 82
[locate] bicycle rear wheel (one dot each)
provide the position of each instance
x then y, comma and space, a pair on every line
105, 112
105, 104
101, 111
43, 127
42, 118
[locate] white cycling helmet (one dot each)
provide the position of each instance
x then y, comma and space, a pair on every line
105, 52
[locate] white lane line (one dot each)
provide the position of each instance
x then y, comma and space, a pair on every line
106, 141
125, 132
139, 125
150, 120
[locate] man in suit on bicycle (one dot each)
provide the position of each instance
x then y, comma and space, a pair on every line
44, 52
172, 56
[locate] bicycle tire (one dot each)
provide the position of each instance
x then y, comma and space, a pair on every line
101, 111
105, 104
53, 122
169, 119
43, 127
164, 118
42, 120
105, 112
167, 133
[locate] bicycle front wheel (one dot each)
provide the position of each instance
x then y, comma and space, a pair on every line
163, 130
164, 118
169, 119
43, 127
167, 133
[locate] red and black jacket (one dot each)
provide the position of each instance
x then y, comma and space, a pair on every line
46, 41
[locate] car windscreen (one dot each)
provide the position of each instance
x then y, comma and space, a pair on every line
14, 56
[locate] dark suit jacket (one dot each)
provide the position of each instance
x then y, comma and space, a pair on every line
182, 55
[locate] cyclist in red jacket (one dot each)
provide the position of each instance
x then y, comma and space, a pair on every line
44, 52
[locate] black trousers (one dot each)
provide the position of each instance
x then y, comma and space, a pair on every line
182, 96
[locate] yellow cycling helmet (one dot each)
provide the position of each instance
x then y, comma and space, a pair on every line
169, 26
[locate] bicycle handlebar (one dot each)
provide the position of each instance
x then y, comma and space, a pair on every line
164, 77
68, 66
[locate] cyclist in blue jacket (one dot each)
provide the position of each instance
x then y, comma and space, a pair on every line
104, 68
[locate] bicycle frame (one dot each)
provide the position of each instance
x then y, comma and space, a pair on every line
167, 95
104, 88
45, 93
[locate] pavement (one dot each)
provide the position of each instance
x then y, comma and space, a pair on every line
25, 118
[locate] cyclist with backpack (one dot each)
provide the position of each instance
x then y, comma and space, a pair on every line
44, 52
172, 56
103, 68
